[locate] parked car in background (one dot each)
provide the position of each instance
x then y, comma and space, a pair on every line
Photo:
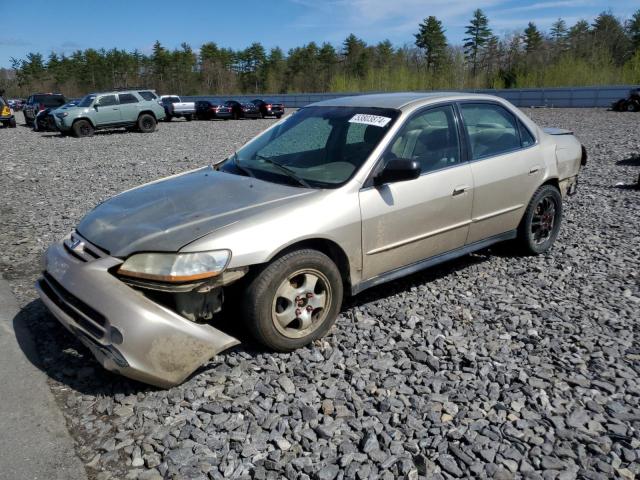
269, 109
631, 103
15, 104
41, 101
7, 117
175, 107
342, 196
45, 121
107, 110
242, 109
207, 110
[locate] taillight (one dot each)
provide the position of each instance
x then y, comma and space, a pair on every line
268, 105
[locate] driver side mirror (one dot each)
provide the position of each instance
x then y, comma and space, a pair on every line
398, 170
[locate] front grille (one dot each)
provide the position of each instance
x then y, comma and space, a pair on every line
85, 316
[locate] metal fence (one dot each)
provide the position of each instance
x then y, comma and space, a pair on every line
522, 97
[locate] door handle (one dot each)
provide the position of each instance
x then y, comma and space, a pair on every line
534, 170
460, 190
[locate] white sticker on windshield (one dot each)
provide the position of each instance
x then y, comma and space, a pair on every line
365, 119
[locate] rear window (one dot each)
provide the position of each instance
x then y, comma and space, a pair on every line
148, 95
50, 100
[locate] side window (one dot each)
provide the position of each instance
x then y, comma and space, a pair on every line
526, 137
127, 98
107, 100
492, 130
431, 138
297, 139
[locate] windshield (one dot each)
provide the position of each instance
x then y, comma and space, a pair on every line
86, 101
319, 147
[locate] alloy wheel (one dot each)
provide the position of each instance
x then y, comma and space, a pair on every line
301, 303
543, 220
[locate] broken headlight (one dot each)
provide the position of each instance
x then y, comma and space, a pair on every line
176, 267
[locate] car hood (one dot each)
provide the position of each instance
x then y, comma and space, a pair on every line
168, 214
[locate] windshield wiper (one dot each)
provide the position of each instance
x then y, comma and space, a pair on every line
287, 171
244, 170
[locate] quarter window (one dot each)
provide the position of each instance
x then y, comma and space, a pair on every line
526, 138
492, 130
148, 95
431, 138
127, 98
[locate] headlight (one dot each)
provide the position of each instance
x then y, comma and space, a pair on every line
176, 267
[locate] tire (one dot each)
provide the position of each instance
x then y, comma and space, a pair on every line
82, 128
278, 116
188, 117
146, 123
539, 226
12, 123
168, 118
236, 116
274, 291
632, 106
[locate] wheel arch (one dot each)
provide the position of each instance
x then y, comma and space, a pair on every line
75, 120
150, 112
330, 248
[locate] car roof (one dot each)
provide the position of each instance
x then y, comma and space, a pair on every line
398, 100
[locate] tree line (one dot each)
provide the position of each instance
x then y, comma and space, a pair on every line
603, 51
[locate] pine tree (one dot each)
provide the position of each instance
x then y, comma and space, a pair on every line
478, 35
609, 34
558, 34
532, 38
633, 30
431, 39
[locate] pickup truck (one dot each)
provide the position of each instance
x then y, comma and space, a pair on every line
175, 107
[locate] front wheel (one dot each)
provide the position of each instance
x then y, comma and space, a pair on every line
146, 123
82, 128
541, 221
293, 301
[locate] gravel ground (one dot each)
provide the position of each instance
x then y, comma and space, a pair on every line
490, 366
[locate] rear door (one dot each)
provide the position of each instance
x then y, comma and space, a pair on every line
129, 107
506, 165
406, 222
107, 110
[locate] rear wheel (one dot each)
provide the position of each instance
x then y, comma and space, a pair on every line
293, 301
632, 106
541, 221
168, 118
11, 123
82, 128
188, 117
146, 123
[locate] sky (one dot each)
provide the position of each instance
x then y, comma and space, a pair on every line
64, 26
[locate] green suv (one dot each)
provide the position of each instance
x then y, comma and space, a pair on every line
132, 109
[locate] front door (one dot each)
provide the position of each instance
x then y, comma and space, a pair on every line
405, 222
107, 110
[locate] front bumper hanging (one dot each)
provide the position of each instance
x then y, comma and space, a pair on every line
127, 332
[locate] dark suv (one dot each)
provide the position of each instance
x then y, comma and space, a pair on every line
41, 101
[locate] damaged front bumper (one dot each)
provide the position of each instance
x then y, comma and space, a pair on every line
127, 332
